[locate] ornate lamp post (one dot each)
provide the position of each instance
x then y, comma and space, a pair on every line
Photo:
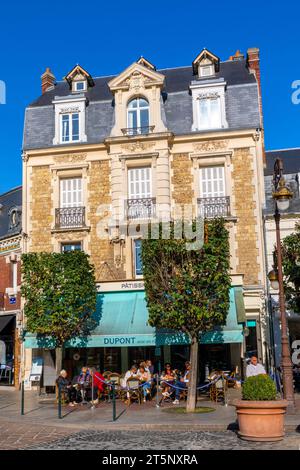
282, 196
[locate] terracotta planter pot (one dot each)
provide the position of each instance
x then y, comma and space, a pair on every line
261, 420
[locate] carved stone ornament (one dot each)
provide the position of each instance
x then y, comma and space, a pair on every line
71, 158
70, 109
208, 95
138, 146
137, 80
211, 145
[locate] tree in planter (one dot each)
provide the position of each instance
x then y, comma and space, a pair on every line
291, 269
188, 290
60, 296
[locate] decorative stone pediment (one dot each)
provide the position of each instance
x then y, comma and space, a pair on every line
135, 77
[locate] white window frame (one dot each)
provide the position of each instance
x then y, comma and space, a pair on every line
202, 91
140, 178
209, 68
138, 110
75, 83
69, 106
207, 177
70, 123
71, 192
62, 244
209, 103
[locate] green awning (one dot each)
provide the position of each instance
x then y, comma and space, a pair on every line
122, 319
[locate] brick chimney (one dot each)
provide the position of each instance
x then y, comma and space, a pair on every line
48, 80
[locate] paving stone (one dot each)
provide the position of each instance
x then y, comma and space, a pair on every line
149, 440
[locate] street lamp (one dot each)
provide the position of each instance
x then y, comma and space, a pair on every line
282, 196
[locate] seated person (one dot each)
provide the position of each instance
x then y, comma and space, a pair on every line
66, 387
149, 366
183, 383
168, 375
84, 381
132, 373
145, 380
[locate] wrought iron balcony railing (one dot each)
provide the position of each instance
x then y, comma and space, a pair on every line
213, 207
142, 208
137, 130
70, 217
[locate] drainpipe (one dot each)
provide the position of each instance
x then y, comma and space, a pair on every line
269, 306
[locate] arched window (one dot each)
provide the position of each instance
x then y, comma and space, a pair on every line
138, 116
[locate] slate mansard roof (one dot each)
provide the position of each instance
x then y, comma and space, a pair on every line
291, 172
9, 202
242, 110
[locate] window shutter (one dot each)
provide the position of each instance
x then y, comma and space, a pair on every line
139, 183
212, 181
71, 192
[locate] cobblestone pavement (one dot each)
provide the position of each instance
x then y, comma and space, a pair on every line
153, 440
20, 436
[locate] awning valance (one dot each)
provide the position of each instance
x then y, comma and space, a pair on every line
122, 319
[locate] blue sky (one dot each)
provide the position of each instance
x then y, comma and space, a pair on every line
105, 37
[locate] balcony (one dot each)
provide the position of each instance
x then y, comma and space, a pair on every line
70, 218
143, 208
132, 131
214, 207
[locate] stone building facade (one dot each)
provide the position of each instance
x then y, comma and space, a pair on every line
103, 154
10, 281
289, 219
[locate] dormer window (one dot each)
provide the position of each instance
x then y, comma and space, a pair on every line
70, 127
70, 117
206, 64
138, 116
79, 79
79, 86
206, 70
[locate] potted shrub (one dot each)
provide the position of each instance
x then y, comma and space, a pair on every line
260, 415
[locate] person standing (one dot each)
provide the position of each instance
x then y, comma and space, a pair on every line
98, 384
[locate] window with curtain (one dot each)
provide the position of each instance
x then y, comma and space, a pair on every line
210, 113
70, 127
138, 115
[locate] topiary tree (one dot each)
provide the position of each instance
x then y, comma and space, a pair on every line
291, 269
259, 387
60, 296
188, 290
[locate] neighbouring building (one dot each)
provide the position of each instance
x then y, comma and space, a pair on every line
289, 219
103, 155
10, 280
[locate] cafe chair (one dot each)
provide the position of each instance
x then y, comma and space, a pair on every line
133, 392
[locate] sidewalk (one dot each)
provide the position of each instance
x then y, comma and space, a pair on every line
147, 416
